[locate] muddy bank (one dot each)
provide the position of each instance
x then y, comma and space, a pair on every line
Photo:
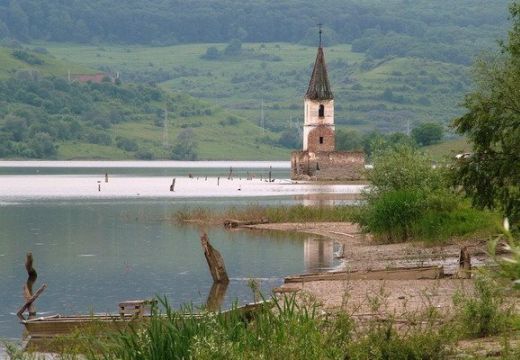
400, 298
361, 252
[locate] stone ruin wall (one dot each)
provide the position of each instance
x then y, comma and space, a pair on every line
328, 165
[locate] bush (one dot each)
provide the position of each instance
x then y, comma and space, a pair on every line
126, 144
410, 199
440, 225
144, 155
427, 134
401, 168
391, 215
27, 57
482, 313
384, 342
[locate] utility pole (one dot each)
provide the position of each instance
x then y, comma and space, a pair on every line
262, 117
165, 128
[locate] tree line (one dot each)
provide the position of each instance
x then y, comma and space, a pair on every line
442, 30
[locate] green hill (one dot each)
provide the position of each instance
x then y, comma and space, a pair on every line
43, 115
391, 94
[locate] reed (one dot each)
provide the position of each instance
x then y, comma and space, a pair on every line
278, 214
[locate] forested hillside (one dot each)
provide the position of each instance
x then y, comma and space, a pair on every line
229, 75
445, 30
44, 115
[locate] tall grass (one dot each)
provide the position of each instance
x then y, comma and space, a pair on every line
483, 313
289, 331
285, 331
279, 214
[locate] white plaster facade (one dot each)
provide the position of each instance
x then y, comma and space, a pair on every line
313, 119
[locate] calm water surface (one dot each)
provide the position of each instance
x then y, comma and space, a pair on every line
98, 243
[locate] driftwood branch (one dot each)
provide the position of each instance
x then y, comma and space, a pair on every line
215, 261
29, 301
232, 223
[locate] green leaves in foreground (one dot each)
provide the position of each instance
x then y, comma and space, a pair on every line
285, 330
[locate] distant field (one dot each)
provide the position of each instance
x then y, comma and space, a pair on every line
10, 65
448, 148
389, 95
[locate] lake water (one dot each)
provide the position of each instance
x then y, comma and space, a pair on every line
96, 243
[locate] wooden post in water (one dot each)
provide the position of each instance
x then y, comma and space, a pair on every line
32, 275
215, 261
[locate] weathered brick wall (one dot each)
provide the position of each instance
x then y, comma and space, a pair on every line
321, 138
327, 165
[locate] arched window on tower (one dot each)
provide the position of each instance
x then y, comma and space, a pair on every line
321, 112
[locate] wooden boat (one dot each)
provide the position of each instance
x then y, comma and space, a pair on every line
59, 325
415, 273
131, 313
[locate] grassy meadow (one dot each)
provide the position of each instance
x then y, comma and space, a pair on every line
51, 66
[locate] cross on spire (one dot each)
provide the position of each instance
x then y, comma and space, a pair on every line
320, 31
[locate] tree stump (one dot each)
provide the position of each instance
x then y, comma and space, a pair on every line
215, 261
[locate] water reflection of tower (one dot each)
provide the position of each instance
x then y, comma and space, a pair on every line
318, 254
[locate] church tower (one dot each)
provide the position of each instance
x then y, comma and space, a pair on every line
319, 159
318, 128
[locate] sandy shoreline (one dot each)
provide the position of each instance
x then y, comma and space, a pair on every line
396, 298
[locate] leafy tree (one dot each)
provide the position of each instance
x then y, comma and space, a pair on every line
348, 140
290, 139
15, 126
212, 53
185, 147
491, 175
427, 133
42, 146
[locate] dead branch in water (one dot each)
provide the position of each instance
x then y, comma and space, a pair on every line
29, 302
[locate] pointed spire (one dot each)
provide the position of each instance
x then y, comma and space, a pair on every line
319, 87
